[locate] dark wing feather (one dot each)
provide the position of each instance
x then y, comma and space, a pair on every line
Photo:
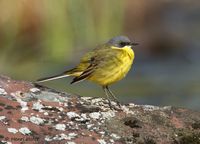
94, 59
86, 73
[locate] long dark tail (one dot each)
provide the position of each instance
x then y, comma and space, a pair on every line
52, 78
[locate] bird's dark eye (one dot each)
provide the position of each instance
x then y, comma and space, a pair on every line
122, 44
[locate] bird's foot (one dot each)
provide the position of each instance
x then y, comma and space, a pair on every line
116, 106
110, 105
118, 103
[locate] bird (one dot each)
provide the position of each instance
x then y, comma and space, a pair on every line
104, 65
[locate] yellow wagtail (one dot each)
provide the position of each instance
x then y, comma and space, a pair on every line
104, 65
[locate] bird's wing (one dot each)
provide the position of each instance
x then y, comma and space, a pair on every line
92, 60
87, 72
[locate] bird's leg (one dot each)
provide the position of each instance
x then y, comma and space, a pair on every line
107, 96
113, 96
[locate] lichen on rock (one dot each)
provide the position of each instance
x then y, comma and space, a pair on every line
41, 115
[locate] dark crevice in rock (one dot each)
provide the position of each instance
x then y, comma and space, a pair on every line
132, 122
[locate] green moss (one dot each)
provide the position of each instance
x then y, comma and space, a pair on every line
1, 136
9, 107
2, 104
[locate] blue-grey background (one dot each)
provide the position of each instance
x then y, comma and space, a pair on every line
40, 38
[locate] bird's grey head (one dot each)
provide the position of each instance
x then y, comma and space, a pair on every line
121, 41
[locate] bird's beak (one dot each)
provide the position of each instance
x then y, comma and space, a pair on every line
134, 44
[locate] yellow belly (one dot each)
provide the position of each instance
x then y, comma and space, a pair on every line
115, 68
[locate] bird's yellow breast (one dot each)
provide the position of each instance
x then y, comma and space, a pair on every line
115, 67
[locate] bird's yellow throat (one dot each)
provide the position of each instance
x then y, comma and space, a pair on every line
126, 49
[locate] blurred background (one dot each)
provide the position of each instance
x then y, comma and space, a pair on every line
40, 38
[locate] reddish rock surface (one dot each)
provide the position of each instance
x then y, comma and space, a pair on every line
30, 113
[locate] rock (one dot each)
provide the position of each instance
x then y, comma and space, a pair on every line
32, 113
